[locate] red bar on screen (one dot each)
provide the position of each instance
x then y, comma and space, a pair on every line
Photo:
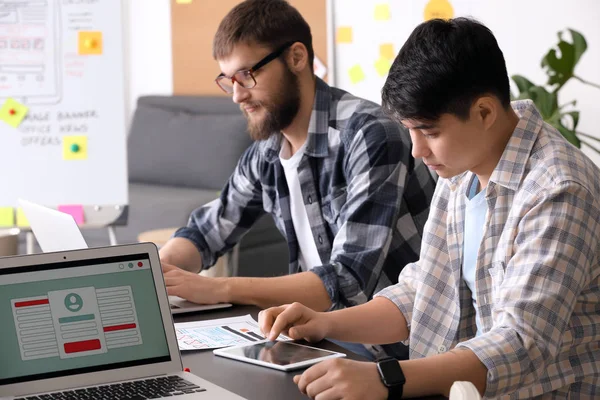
32, 303
86, 345
119, 327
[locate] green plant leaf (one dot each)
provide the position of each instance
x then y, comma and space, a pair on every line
545, 101
574, 116
523, 84
560, 70
579, 44
569, 135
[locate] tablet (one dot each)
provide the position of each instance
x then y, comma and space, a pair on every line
284, 356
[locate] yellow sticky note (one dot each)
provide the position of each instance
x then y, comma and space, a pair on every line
386, 50
383, 66
438, 9
75, 148
90, 43
382, 12
184, 1
13, 112
344, 34
7, 217
356, 74
22, 221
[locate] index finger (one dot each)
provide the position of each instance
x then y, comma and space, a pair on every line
267, 317
167, 267
284, 321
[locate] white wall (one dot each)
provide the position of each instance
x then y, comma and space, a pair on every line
148, 57
525, 30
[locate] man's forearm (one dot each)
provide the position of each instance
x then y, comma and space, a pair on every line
435, 375
305, 287
377, 322
182, 253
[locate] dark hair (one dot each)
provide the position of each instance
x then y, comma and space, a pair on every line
264, 22
443, 67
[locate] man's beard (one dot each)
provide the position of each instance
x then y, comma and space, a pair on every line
279, 112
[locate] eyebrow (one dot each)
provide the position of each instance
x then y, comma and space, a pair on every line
422, 126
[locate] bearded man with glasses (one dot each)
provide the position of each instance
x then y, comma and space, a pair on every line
333, 171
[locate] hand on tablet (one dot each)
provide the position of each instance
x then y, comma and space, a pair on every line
294, 320
342, 379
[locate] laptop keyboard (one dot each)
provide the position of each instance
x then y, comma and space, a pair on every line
154, 388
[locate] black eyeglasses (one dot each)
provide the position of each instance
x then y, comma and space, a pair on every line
245, 77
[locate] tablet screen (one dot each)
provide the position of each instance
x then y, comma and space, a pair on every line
279, 353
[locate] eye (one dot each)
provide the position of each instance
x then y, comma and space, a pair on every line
430, 135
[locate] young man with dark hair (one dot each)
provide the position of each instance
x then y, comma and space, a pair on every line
332, 169
506, 293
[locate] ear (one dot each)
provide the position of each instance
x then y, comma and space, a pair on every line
485, 110
297, 57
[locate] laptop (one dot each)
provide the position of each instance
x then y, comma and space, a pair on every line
93, 323
46, 222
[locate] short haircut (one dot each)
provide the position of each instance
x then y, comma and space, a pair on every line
270, 23
443, 67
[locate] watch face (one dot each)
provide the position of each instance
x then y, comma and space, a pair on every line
391, 373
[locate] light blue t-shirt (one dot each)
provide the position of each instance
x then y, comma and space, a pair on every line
476, 209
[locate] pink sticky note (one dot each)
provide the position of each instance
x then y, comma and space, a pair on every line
76, 211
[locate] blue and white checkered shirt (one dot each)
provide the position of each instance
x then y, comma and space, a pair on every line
366, 197
537, 272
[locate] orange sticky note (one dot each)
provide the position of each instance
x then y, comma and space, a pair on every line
75, 148
438, 9
22, 221
344, 34
356, 74
74, 210
12, 112
386, 50
383, 66
90, 43
382, 12
7, 217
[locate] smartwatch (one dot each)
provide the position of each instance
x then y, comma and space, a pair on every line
392, 377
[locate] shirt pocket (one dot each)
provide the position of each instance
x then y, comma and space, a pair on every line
331, 209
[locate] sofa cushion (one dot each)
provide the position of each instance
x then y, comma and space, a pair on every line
169, 146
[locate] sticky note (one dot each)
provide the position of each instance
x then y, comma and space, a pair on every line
21, 218
74, 210
184, 1
356, 74
13, 112
382, 12
75, 148
438, 9
383, 66
344, 34
386, 50
7, 216
90, 43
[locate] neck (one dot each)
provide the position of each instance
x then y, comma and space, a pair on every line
505, 128
297, 132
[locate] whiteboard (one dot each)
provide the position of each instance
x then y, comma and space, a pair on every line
525, 31
63, 59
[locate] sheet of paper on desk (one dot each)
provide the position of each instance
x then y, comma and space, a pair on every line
224, 332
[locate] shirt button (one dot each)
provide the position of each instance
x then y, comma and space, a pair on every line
320, 240
309, 199
441, 349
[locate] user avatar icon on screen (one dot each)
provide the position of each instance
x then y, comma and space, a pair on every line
73, 302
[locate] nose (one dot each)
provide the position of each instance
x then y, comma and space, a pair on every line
240, 93
420, 149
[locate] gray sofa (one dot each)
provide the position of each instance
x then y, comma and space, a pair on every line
181, 151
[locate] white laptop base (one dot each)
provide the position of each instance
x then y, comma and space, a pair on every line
58, 231
87, 322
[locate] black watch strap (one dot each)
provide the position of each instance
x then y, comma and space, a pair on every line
395, 392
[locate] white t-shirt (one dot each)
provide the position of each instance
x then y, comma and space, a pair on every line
308, 254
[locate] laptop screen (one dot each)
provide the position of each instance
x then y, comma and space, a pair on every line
78, 317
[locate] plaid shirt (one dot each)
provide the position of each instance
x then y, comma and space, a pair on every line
366, 198
537, 273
